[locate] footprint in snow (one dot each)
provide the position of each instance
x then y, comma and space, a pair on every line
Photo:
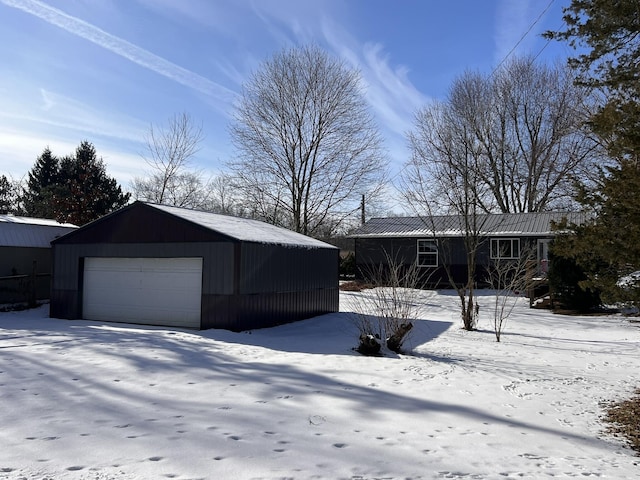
75, 468
316, 419
155, 459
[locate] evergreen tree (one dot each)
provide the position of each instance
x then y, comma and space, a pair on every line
7, 196
37, 198
609, 33
84, 191
608, 247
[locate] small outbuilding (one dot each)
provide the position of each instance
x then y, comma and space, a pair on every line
25, 256
160, 265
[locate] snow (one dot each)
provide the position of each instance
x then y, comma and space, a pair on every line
31, 232
34, 221
629, 281
92, 400
244, 229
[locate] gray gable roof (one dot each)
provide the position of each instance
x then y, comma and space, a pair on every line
243, 229
497, 224
30, 232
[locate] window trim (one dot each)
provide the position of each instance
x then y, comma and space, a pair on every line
514, 241
434, 253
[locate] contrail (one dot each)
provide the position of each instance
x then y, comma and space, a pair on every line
123, 48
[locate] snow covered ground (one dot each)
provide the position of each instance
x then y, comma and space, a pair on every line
88, 400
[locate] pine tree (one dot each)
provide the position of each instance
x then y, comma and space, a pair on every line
609, 34
7, 196
608, 247
84, 191
37, 198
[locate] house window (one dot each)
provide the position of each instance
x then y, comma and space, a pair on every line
427, 253
505, 248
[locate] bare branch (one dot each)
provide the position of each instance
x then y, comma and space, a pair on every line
169, 153
308, 146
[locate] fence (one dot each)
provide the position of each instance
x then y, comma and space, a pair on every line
26, 288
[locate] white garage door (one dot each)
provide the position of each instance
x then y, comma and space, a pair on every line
152, 291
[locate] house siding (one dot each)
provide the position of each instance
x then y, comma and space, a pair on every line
370, 254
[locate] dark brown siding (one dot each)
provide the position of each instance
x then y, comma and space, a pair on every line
244, 284
276, 284
270, 309
217, 268
139, 223
276, 269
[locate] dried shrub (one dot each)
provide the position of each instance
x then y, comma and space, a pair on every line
386, 316
624, 420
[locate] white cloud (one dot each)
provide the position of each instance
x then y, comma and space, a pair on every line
51, 112
124, 48
389, 91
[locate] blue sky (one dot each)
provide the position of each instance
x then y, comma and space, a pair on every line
105, 70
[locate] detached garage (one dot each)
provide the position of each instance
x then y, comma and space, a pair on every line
159, 265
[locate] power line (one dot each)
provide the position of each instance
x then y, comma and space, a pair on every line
523, 37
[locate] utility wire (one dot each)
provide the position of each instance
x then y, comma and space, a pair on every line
523, 37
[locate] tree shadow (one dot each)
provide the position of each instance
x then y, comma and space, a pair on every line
202, 357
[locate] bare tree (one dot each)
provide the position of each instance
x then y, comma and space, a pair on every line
442, 177
526, 122
170, 180
509, 278
308, 146
507, 142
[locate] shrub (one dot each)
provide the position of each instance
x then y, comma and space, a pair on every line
565, 279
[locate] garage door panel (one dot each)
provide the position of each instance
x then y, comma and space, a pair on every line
155, 291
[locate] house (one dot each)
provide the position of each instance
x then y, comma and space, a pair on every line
160, 265
431, 242
25, 256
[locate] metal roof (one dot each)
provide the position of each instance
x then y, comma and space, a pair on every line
495, 224
243, 229
30, 232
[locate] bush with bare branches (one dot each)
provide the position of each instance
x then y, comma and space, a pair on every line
385, 316
508, 278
